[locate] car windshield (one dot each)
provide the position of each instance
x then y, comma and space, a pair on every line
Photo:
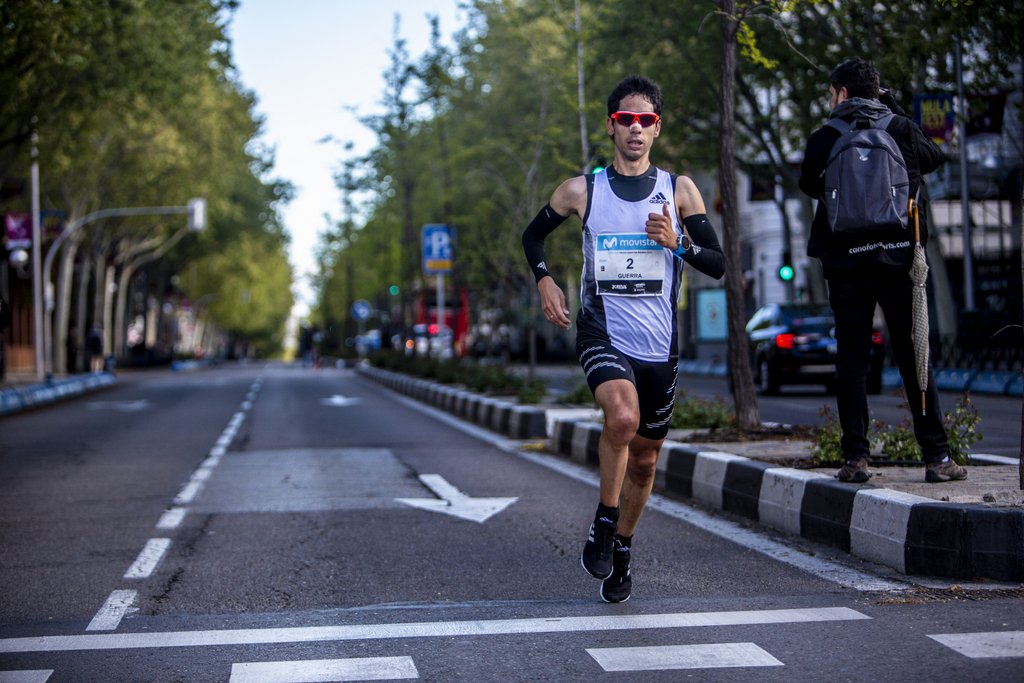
808, 317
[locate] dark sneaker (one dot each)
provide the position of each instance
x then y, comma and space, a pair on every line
935, 472
618, 586
855, 472
597, 553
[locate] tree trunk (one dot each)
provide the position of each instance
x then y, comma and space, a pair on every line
747, 413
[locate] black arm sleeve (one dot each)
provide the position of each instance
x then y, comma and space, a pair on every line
540, 227
705, 254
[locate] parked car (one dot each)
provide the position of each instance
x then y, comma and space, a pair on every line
795, 343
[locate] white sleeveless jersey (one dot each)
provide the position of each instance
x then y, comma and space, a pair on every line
630, 283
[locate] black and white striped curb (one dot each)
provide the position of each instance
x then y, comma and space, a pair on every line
504, 417
36, 395
911, 534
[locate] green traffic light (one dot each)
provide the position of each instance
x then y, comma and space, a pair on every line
597, 169
785, 273
393, 290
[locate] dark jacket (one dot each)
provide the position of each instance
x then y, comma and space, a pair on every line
921, 155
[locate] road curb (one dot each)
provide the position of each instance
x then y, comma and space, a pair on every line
504, 417
36, 395
911, 534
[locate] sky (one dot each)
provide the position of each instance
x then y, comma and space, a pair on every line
309, 62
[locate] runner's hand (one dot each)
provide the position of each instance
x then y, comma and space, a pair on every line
659, 228
552, 303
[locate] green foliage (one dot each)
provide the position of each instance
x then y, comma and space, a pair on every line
962, 429
698, 413
579, 394
477, 377
533, 391
897, 443
826, 446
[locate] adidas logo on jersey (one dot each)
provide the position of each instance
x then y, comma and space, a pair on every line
659, 199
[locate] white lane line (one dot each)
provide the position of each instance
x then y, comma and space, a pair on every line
325, 670
188, 492
201, 474
113, 610
148, 559
171, 519
432, 629
984, 645
38, 676
730, 531
671, 657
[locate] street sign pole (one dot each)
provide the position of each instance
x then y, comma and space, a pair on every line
440, 313
437, 260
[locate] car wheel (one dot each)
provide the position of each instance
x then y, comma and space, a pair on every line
767, 381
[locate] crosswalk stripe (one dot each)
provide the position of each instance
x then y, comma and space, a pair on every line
984, 645
671, 657
325, 670
124, 641
38, 676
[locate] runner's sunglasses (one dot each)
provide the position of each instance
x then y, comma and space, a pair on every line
628, 118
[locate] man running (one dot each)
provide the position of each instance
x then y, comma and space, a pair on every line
640, 224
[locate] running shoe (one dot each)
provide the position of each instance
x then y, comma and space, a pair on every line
598, 550
618, 586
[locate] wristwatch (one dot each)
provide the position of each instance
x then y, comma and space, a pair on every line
682, 245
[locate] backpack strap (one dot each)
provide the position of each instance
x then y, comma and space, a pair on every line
839, 124
883, 122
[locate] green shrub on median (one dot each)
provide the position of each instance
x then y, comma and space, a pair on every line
897, 443
476, 377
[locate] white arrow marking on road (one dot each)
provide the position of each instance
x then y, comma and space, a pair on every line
339, 401
456, 503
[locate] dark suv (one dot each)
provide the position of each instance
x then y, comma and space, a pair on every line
796, 344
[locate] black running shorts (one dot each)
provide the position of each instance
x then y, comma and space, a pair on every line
655, 382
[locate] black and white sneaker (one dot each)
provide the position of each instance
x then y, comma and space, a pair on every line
598, 550
618, 586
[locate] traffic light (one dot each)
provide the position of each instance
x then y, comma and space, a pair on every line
393, 290
786, 271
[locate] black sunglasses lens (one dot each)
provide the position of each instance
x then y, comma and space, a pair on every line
647, 120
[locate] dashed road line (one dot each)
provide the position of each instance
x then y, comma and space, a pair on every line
325, 670
986, 645
148, 558
113, 610
673, 657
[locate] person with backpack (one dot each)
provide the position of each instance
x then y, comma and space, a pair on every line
863, 166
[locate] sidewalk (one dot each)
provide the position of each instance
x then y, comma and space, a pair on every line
971, 529
23, 392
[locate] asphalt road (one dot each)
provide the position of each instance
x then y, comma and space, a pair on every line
278, 524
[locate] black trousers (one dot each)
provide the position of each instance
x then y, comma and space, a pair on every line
853, 303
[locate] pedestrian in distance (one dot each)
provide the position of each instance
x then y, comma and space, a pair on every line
868, 261
94, 348
640, 225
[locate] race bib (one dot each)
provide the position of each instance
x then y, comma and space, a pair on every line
628, 264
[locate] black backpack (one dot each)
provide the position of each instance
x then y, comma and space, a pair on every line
866, 184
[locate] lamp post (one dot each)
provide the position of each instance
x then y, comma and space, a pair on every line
196, 210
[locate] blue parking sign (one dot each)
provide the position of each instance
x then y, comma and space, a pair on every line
438, 251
